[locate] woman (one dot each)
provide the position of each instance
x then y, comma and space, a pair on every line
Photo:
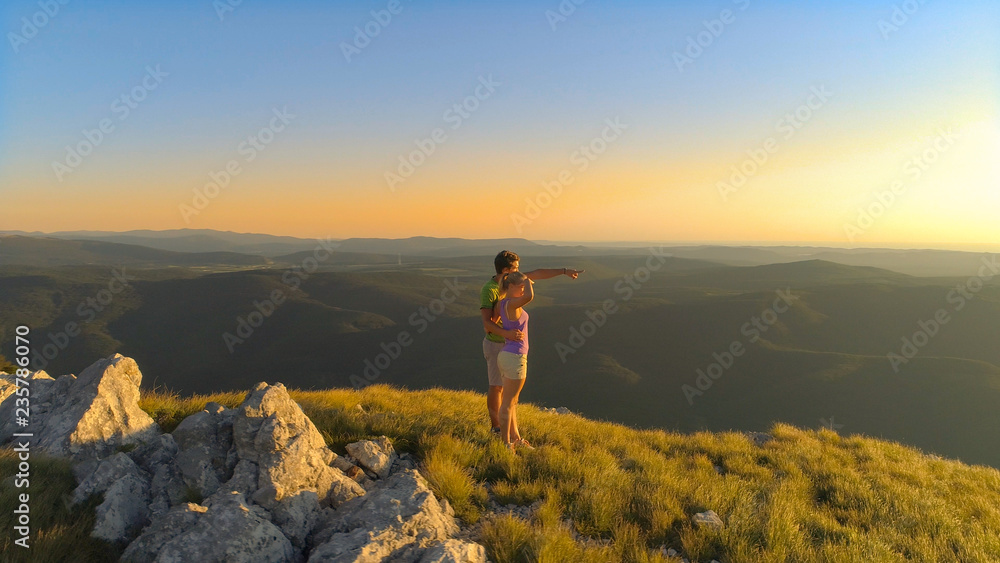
513, 358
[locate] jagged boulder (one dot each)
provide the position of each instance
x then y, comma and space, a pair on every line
205, 454
271, 431
296, 515
225, 529
396, 521
91, 416
376, 456
244, 479
126, 489
38, 384
454, 551
167, 485
109, 470
125, 510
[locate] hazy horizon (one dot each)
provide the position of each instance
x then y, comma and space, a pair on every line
960, 247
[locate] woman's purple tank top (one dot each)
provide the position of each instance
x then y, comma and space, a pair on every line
517, 347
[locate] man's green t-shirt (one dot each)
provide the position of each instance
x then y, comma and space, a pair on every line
488, 296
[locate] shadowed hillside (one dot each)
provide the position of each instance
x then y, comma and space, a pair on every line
820, 361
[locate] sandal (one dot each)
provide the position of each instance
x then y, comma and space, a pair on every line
524, 443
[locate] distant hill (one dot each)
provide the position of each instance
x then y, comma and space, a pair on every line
192, 240
45, 251
824, 357
914, 262
935, 263
207, 240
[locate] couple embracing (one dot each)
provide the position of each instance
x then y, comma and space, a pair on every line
505, 346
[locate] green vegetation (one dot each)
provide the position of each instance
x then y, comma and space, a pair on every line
606, 492
59, 532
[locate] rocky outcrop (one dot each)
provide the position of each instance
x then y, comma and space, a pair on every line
204, 449
399, 520
291, 455
226, 528
376, 456
254, 483
91, 416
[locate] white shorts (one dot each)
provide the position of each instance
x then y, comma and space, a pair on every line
513, 366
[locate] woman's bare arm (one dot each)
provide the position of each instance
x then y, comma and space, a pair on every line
529, 294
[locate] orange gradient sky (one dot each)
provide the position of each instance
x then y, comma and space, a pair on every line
324, 175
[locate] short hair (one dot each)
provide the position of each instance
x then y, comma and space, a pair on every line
513, 278
505, 259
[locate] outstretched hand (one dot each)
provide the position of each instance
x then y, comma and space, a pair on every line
574, 273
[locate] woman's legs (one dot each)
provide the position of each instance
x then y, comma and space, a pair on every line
508, 417
515, 434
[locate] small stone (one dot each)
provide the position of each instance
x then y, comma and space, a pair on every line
708, 519
376, 456
759, 438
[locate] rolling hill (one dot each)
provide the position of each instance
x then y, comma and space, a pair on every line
822, 359
43, 251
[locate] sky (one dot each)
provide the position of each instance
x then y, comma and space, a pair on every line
846, 123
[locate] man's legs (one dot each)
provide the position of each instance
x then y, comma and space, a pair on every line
493, 398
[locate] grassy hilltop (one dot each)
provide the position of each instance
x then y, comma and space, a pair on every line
607, 492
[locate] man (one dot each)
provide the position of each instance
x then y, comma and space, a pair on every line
504, 263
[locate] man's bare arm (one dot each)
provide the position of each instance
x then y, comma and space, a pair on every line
548, 273
490, 326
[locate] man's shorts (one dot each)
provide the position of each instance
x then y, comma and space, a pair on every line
490, 351
513, 366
